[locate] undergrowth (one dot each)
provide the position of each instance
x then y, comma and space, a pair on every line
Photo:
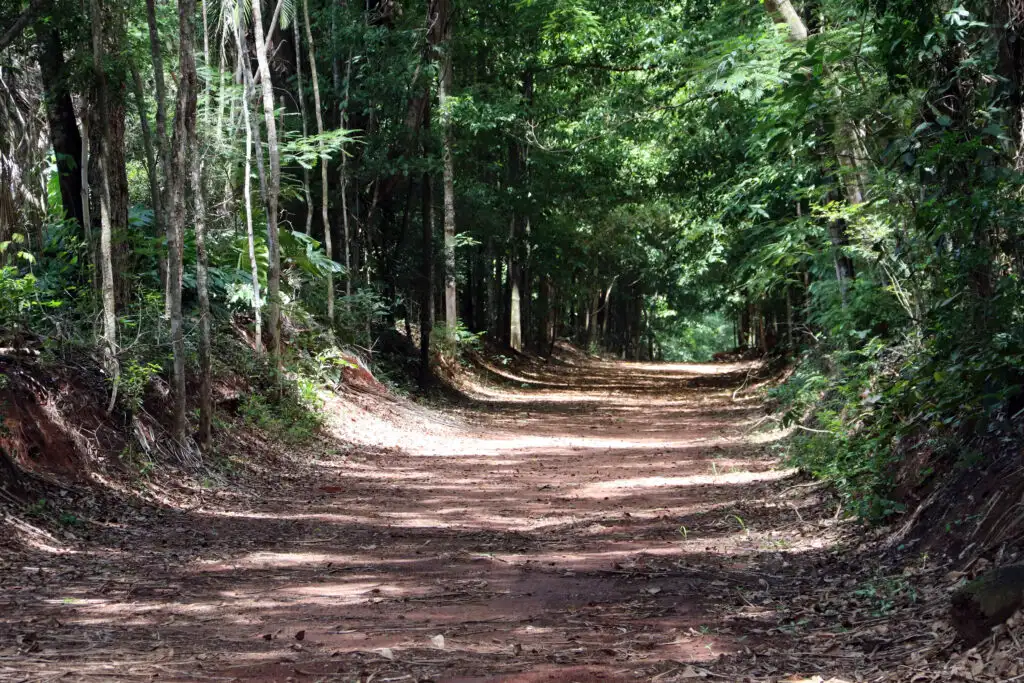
879, 418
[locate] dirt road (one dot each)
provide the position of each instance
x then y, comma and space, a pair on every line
590, 521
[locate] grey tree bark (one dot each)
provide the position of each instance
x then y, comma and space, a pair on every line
162, 148
202, 285
184, 133
109, 334
147, 145
444, 88
257, 304
305, 127
314, 75
273, 187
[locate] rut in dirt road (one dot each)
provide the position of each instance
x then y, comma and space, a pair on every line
598, 522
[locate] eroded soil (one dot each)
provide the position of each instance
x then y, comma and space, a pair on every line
585, 521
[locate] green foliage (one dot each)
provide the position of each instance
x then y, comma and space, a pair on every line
452, 343
38, 508
290, 417
682, 171
137, 461
19, 308
134, 382
885, 594
692, 339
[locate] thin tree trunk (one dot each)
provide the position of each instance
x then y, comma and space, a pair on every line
207, 85
106, 233
444, 88
162, 148
607, 311
147, 145
427, 294
184, 133
250, 232
492, 288
273, 188
202, 270
117, 166
427, 301
305, 126
789, 318
84, 171
344, 180
552, 315
515, 329
249, 89
515, 339
595, 304
328, 246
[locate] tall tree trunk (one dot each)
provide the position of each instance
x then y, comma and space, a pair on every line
515, 321
60, 116
202, 270
162, 146
117, 165
427, 293
344, 181
84, 175
444, 88
184, 134
202, 262
328, 246
147, 145
607, 311
249, 89
514, 329
595, 304
106, 232
305, 126
250, 231
493, 285
273, 186
207, 84
789, 319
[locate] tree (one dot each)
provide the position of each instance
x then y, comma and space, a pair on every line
247, 97
182, 151
163, 149
324, 216
302, 114
106, 260
205, 314
273, 186
60, 114
444, 88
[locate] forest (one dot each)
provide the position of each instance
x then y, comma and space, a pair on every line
274, 194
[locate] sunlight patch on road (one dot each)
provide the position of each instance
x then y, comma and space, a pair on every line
558, 445
606, 488
771, 436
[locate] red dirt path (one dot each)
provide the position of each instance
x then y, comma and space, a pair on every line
598, 521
